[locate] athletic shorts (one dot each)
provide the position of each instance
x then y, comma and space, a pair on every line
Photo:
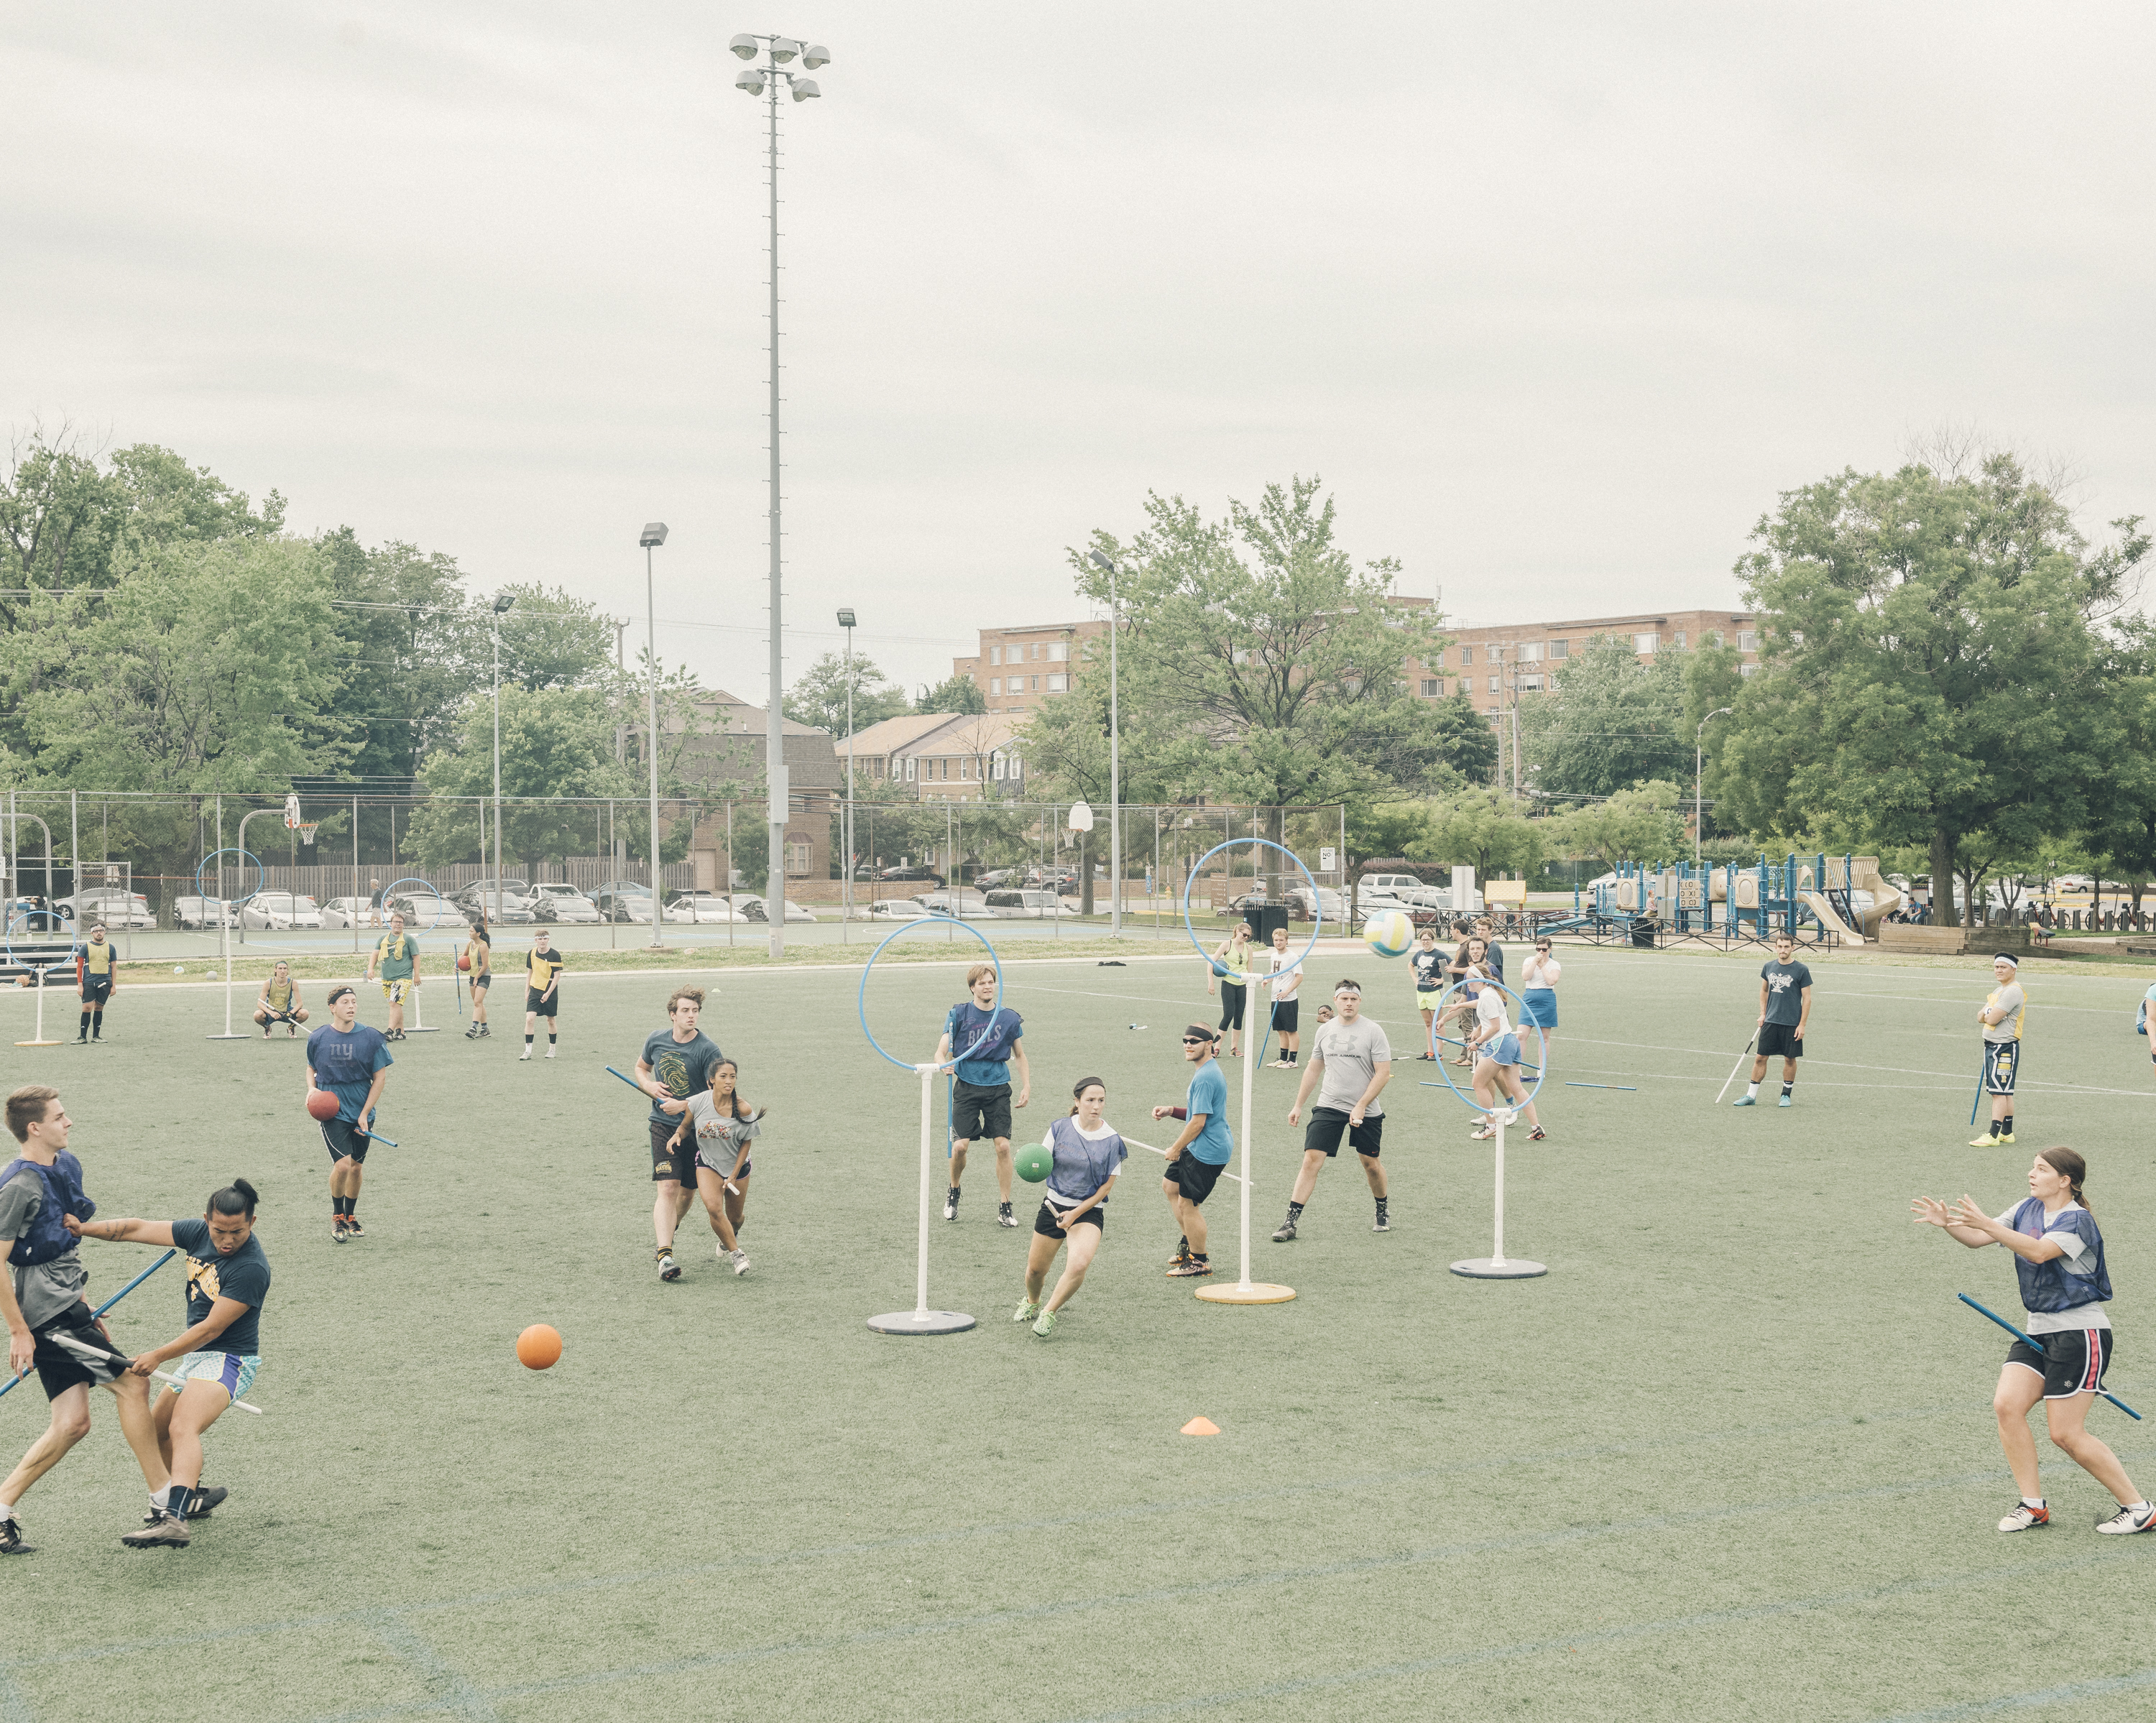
668, 1162
725, 1170
1231, 1006
1045, 1224
270, 1014
1426, 998
233, 1371
345, 1140
97, 990
1322, 1133
2066, 1363
544, 1004
2001, 1060
976, 1112
59, 1369
1538, 1008
480, 983
1192, 1177
1780, 1041
1505, 1050
393, 991
1286, 1015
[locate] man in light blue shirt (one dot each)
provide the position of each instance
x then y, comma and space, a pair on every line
1197, 1158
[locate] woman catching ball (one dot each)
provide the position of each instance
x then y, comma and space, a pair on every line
1088, 1153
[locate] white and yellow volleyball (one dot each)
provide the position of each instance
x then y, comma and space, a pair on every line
1388, 933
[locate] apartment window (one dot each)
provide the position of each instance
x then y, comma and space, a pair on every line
1059, 651
995, 655
1645, 644
1531, 652
909, 769
1532, 684
1711, 637
996, 767
1467, 654
1751, 669
1057, 685
1494, 683
995, 684
1033, 649
1490, 712
1035, 681
1560, 649
1431, 688
1677, 640
796, 856
1747, 641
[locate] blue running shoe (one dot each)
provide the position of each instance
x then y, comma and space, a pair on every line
1745, 1100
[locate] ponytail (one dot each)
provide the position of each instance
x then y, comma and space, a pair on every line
238, 1198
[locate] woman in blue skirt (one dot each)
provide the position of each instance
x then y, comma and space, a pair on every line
1538, 978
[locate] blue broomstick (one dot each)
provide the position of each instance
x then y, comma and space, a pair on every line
108, 1303
1973, 1104
2039, 1350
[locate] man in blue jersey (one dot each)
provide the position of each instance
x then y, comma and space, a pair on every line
980, 1042
349, 1060
1197, 1158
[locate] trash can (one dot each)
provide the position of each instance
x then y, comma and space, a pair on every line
1643, 931
1263, 919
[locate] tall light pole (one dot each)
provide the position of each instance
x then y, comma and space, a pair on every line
846, 837
1115, 760
1698, 766
654, 535
779, 52
501, 609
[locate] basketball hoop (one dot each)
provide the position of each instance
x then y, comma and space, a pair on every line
307, 829
292, 814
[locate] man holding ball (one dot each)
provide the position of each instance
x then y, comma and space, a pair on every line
347, 1060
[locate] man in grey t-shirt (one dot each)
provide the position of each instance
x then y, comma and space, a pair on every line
1351, 1062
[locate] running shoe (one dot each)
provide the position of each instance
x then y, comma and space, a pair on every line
669, 1269
1005, 1217
1046, 1325
1182, 1252
1285, 1234
202, 1502
486, 1031
2024, 1517
1028, 1308
1384, 1222
1281, 1064
291, 1032
1745, 1101
2126, 1519
352, 1230
525, 1054
951, 1204
11, 1539
336, 1229
472, 1034
265, 1031
165, 1532
739, 1260
1483, 1133
550, 1053
1787, 1100
1536, 1135
1984, 1142
2005, 1139
1197, 1265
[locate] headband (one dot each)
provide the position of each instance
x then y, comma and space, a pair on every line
2010, 961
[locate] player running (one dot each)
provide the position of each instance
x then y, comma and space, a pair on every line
1496, 1048
2004, 1008
396, 954
992, 1040
1785, 1009
1351, 1062
41, 1295
96, 977
1426, 964
479, 959
542, 990
1287, 1004
220, 1352
280, 1003
2059, 1262
350, 1060
676, 1064
1197, 1158
1086, 1155
723, 1125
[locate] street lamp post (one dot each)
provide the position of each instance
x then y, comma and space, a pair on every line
1698, 767
654, 535
846, 836
765, 79
501, 608
1115, 760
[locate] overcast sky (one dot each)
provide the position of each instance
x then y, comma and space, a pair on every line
1555, 298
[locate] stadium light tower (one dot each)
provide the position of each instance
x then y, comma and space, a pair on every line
1115, 760
654, 535
501, 609
846, 892
1698, 773
779, 53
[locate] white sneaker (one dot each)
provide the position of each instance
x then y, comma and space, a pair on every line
550, 1053
2024, 1516
2127, 1520
527, 1053
739, 1259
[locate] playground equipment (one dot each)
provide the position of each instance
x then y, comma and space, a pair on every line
1813, 898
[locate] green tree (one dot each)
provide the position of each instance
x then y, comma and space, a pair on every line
1482, 828
1637, 825
1930, 665
953, 694
414, 649
1608, 720
820, 697
2120, 830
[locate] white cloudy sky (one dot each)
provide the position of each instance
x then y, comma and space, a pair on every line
1555, 298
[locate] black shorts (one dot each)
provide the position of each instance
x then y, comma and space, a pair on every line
668, 1162
1286, 1013
480, 983
1322, 1133
1193, 1178
2065, 1363
976, 1112
543, 1003
2002, 1061
96, 990
1231, 1006
1045, 1222
1780, 1040
59, 1369
700, 1164
345, 1140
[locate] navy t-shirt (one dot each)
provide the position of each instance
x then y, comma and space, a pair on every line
344, 1062
1785, 991
243, 1275
1429, 969
682, 1067
995, 1034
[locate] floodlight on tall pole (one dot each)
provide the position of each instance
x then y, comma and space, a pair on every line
846, 835
654, 535
501, 608
1698, 769
764, 80
1115, 758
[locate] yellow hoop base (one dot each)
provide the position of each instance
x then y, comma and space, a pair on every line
1257, 1292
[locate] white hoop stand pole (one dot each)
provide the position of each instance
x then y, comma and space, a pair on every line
921, 1320
1496, 1266
1246, 1291
224, 921
42, 972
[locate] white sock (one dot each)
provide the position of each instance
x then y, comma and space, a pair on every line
2137, 1507
2032, 1501
7, 1510
1751, 1088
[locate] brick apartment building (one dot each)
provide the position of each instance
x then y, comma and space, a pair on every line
1017, 669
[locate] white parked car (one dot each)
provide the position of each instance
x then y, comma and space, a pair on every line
346, 912
1405, 889
1024, 905
897, 909
754, 908
280, 911
559, 901
202, 912
963, 902
702, 906
109, 905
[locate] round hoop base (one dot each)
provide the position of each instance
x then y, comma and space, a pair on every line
229, 1035
1259, 1292
1513, 1268
37, 1044
920, 1322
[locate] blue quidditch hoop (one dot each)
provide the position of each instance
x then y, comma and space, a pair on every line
1542, 1035
390, 891
1317, 903
248, 896
861, 999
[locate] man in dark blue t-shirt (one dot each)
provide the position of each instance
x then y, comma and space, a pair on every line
1785, 1009
350, 1061
980, 1042
676, 1064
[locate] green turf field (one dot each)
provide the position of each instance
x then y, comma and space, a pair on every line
1731, 1457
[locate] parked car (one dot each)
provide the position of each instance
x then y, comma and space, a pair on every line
623, 900
1406, 890
703, 906
897, 909
558, 901
195, 912
753, 909
1024, 905
109, 905
425, 911
933, 878
960, 901
1063, 879
996, 877
280, 911
510, 894
347, 912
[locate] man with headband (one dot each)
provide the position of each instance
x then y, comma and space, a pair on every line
2004, 1008
351, 1061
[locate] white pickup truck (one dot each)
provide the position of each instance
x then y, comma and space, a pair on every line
1404, 889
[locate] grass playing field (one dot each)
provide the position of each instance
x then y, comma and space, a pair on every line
1732, 1457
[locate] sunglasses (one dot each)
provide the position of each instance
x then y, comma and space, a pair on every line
1194, 1041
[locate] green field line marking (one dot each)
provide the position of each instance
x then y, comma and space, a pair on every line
453, 1690
2071, 1693
1608, 1636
